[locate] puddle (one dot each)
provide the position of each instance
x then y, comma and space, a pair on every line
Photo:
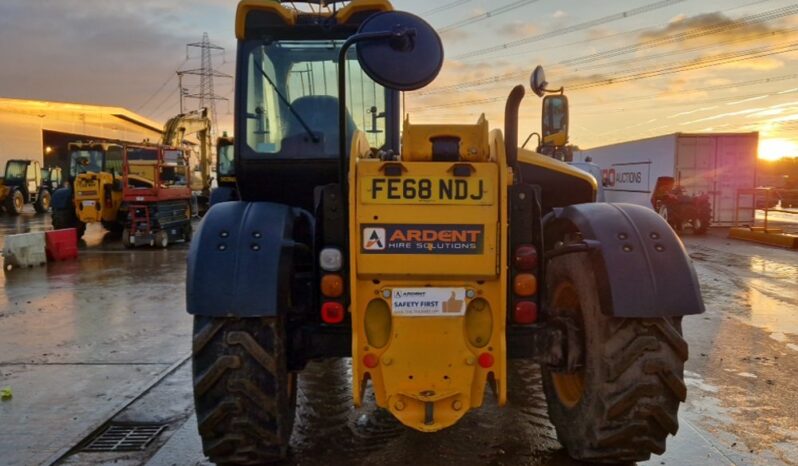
775, 315
692, 379
779, 337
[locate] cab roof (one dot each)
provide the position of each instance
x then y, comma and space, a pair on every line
262, 14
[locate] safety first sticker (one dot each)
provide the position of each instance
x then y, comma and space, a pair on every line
422, 239
421, 302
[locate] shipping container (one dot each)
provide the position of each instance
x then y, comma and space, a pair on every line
718, 164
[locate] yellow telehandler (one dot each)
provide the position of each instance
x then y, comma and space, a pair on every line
430, 257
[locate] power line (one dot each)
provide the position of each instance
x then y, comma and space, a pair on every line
719, 87
171, 94
517, 54
576, 27
171, 76
516, 75
717, 28
684, 51
734, 57
692, 103
488, 14
443, 8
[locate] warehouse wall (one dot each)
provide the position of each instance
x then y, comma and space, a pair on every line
23, 122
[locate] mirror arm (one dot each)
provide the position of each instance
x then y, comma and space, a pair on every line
398, 34
530, 137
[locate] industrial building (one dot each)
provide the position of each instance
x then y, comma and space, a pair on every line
41, 130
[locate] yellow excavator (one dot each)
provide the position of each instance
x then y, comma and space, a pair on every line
175, 132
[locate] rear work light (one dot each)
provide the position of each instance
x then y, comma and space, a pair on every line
332, 312
331, 259
526, 257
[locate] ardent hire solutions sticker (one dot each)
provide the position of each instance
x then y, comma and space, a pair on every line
420, 302
422, 239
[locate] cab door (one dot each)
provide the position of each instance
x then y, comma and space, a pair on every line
33, 179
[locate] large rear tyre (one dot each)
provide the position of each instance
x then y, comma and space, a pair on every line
15, 202
244, 395
622, 401
43, 202
703, 219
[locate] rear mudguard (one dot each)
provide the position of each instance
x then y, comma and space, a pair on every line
641, 266
241, 259
62, 199
223, 194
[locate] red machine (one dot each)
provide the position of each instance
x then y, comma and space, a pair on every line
157, 194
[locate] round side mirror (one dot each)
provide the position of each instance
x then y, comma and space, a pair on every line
538, 81
407, 60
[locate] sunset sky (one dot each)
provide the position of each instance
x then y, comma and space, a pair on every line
631, 69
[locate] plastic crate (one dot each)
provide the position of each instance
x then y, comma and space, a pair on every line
24, 250
61, 244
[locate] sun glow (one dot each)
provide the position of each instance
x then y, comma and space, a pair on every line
774, 149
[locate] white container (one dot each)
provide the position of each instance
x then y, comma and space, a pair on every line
24, 250
714, 163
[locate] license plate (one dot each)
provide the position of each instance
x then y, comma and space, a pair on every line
427, 302
424, 190
89, 203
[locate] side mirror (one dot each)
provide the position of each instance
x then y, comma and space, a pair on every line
538, 81
399, 50
555, 120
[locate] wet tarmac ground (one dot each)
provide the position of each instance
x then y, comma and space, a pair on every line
106, 339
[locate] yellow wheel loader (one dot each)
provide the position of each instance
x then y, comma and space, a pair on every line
430, 257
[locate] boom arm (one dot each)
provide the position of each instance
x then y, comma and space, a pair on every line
195, 122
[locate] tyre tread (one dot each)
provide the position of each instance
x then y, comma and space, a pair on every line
244, 417
632, 394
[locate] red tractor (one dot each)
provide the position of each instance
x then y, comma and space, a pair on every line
680, 210
157, 195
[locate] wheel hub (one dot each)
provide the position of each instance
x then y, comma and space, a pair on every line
570, 382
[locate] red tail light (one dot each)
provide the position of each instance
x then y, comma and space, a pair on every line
485, 360
332, 312
370, 360
526, 312
526, 257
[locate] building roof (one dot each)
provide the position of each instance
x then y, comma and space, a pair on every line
71, 111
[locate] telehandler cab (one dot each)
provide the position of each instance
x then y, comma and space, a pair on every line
429, 264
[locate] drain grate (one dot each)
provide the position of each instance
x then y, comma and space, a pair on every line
125, 437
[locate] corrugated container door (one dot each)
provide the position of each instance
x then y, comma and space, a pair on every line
736, 169
694, 165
